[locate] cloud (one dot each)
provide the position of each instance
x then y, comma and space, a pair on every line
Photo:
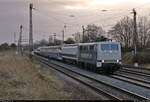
50, 16
76, 7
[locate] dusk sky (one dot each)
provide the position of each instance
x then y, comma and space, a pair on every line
50, 16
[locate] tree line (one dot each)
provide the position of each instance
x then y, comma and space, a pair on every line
92, 33
122, 31
6, 46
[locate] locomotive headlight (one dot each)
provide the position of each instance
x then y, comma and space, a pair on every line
117, 61
102, 61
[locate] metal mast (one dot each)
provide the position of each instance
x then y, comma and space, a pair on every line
30, 29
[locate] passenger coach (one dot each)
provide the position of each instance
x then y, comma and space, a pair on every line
53, 52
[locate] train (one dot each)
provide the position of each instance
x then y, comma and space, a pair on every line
102, 57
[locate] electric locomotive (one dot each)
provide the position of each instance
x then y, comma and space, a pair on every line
99, 56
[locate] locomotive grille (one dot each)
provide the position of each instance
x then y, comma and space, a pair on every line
110, 61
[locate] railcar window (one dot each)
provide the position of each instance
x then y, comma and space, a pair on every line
88, 48
92, 47
95, 48
81, 48
84, 47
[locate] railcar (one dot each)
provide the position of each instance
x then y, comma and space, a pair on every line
70, 52
39, 51
53, 52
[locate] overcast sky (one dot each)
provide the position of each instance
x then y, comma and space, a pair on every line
50, 16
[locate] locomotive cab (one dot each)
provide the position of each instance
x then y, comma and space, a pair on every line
109, 56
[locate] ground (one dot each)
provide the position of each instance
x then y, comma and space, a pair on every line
22, 78
76, 89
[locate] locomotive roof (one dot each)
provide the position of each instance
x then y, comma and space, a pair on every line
50, 47
92, 43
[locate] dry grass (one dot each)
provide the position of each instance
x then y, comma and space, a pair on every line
146, 66
143, 59
22, 79
127, 58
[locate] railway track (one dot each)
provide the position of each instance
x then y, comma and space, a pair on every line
133, 80
138, 82
144, 70
95, 84
138, 68
78, 78
140, 73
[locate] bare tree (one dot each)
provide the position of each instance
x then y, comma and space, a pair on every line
93, 32
143, 31
43, 42
69, 41
77, 37
123, 32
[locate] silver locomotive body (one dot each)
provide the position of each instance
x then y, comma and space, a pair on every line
102, 56
105, 56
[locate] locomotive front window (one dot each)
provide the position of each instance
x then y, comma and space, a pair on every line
114, 47
109, 47
105, 47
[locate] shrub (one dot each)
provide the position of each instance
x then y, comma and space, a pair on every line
142, 58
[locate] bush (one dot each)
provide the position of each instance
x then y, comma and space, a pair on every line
142, 58
127, 58
4, 46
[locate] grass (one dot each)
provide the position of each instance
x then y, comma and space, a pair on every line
127, 58
22, 79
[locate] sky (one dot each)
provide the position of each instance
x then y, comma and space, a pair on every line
50, 16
